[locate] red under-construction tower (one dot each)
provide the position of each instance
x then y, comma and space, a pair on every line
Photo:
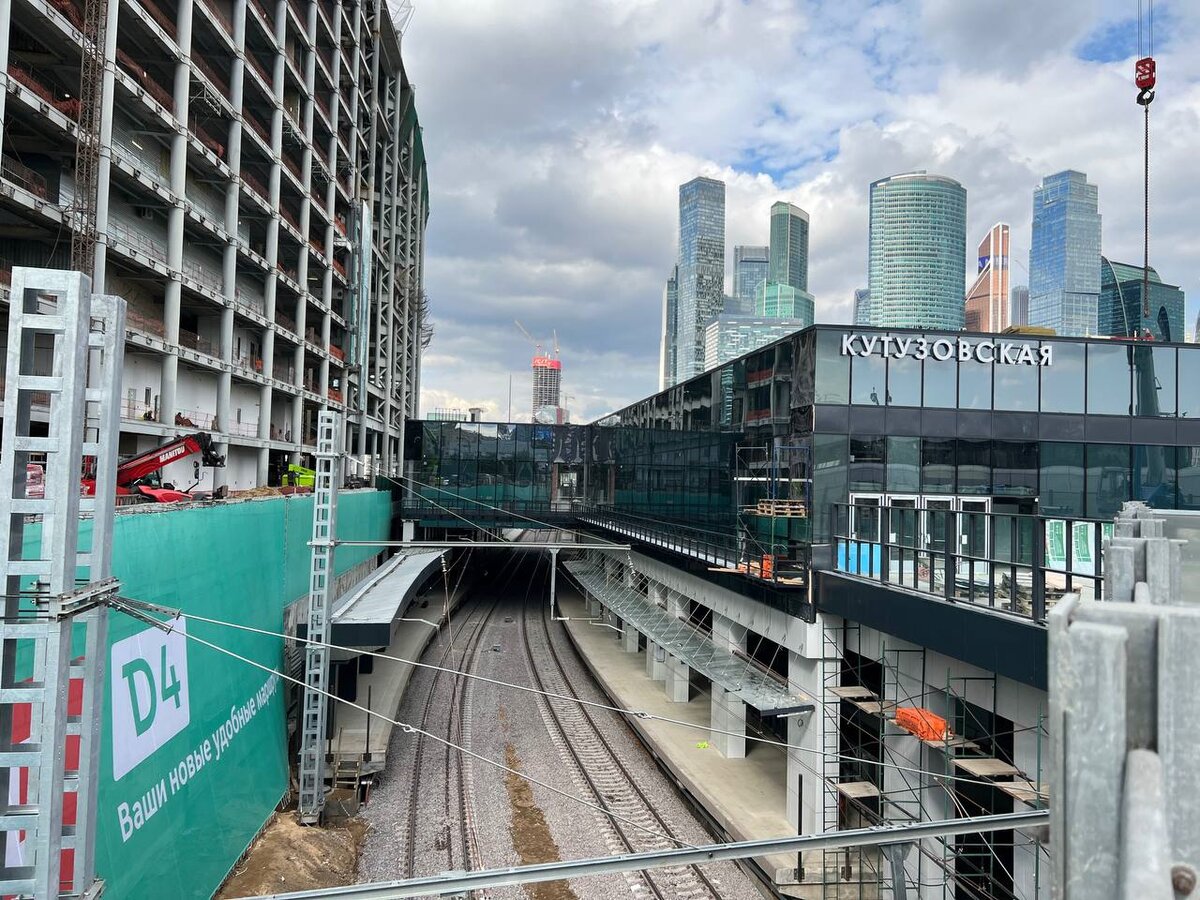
547, 383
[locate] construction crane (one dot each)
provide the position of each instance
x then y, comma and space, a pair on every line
87, 142
525, 331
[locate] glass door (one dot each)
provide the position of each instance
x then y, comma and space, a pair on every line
974, 567
863, 550
903, 534
937, 540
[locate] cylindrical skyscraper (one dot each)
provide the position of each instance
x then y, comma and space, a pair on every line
918, 251
789, 245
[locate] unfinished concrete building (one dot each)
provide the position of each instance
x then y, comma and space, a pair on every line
260, 203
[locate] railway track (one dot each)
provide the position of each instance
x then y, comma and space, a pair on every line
600, 771
458, 835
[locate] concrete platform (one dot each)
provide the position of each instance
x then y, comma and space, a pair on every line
746, 797
382, 688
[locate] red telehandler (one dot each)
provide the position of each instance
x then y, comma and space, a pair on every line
139, 475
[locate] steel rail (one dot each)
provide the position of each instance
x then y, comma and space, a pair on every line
604, 742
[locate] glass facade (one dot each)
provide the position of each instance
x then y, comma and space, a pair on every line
1122, 312
917, 253
750, 267
1067, 429
775, 300
789, 246
670, 331
1064, 255
701, 280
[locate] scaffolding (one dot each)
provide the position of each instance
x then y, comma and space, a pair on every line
895, 776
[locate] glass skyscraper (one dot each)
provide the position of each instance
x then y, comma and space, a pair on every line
789, 245
1064, 255
750, 266
701, 284
670, 308
1122, 313
1018, 305
862, 307
782, 301
987, 300
918, 251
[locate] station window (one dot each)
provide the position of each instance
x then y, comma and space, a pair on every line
833, 370
867, 464
1063, 380
1017, 386
1014, 468
1108, 379
975, 385
1189, 378
1154, 381
1061, 483
868, 380
1107, 479
904, 382
904, 465
937, 466
1187, 472
941, 381
1154, 476
974, 467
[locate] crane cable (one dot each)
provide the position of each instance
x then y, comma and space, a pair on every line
1145, 79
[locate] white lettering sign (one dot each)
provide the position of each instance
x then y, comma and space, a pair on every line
1006, 353
149, 679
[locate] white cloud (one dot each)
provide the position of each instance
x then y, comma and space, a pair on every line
557, 137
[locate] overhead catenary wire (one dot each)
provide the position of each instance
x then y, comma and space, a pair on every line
123, 605
632, 713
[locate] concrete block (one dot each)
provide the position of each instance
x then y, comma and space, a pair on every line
678, 680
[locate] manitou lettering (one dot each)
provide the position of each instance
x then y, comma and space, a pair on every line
1004, 353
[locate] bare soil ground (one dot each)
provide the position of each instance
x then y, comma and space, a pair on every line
530, 833
288, 856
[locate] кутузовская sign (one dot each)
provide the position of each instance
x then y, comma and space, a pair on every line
889, 346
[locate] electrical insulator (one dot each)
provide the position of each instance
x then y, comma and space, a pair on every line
1144, 71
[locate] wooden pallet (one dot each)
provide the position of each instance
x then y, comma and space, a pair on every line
783, 508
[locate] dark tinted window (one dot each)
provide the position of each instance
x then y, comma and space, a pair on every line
868, 379
1189, 382
1187, 474
904, 465
937, 465
830, 460
866, 464
1154, 476
974, 467
1061, 488
1014, 468
1107, 479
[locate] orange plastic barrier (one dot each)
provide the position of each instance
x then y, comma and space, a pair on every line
921, 722
768, 566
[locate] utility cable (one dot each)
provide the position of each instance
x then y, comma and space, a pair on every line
631, 713
133, 612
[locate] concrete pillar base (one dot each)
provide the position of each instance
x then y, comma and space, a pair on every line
594, 609
656, 669
631, 638
728, 715
678, 680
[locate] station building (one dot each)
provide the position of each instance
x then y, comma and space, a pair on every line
845, 542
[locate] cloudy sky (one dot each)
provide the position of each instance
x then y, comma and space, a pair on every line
558, 132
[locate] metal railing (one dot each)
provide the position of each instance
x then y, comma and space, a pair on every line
136, 410
195, 342
1015, 563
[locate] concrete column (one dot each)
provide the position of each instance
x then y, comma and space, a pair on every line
594, 609
806, 793
631, 638
656, 593
728, 715
5, 30
678, 680
656, 669
677, 605
104, 171
175, 216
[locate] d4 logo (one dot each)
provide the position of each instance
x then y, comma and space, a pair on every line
149, 681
